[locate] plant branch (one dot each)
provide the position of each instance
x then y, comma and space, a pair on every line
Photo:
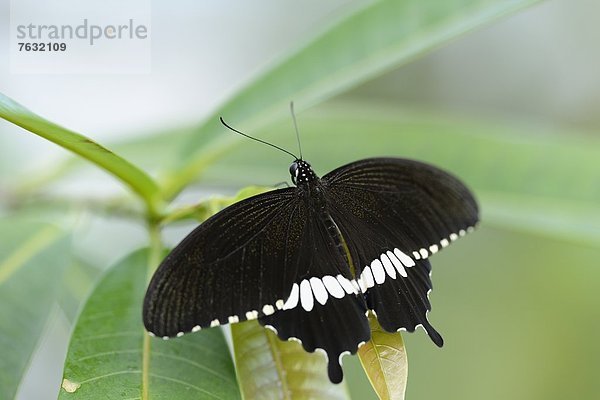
121, 207
154, 258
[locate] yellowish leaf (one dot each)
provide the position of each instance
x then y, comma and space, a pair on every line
269, 368
384, 361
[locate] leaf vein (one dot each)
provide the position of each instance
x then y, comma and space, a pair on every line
107, 353
110, 335
166, 378
95, 378
195, 364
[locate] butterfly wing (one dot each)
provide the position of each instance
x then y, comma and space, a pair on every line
272, 257
326, 310
237, 265
393, 214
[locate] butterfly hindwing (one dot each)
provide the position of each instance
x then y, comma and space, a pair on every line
393, 214
326, 310
338, 327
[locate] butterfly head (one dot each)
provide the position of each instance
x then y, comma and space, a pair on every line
301, 172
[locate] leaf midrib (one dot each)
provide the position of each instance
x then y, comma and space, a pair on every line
379, 358
278, 365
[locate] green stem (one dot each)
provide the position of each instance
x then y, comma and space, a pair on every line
156, 247
154, 258
115, 207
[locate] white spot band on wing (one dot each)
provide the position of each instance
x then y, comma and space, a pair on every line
387, 265
292, 301
367, 277
378, 272
319, 290
306, 296
333, 286
397, 264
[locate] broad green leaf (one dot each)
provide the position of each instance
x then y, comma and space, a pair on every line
269, 368
32, 259
111, 356
384, 360
375, 39
130, 175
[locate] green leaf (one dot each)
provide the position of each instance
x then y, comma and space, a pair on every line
32, 259
129, 174
384, 360
375, 39
269, 368
111, 356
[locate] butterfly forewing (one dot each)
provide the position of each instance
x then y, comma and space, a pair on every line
237, 265
404, 197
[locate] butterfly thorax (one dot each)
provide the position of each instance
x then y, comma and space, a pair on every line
313, 193
309, 185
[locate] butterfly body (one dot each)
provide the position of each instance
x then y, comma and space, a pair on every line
311, 261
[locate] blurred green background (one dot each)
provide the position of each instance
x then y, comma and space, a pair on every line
510, 107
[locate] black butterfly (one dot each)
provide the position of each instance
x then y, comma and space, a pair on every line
310, 261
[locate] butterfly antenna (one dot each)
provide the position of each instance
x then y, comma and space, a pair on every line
296, 127
258, 140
